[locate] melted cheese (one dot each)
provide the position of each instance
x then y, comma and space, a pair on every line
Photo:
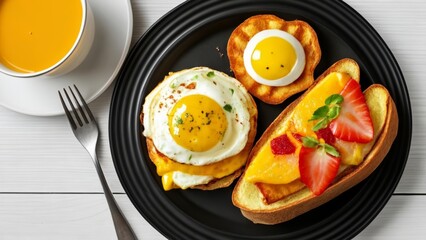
166, 167
167, 181
216, 170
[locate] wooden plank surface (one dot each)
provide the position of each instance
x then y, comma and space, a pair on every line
66, 216
86, 216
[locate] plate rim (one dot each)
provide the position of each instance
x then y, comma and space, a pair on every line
186, 4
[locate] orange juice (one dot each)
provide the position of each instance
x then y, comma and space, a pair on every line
37, 34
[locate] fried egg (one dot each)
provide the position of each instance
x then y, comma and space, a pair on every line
197, 116
274, 57
184, 180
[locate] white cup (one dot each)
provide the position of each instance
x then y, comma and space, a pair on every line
76, 54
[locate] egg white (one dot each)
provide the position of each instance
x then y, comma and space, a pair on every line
219, 87
295, 72
184, 180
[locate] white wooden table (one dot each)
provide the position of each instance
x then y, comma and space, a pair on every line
49, 188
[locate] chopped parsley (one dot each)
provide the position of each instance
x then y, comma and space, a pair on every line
210, 74
311, 142
227, 107
179, 121
173, 85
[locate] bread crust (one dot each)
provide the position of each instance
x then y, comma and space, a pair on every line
304, 200
299, 29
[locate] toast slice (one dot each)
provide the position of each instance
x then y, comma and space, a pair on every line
250, 200
299, 29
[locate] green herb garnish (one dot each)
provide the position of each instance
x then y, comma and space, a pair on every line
311, 142
210, 74
334, 99
331, 150
328, 112
179, 121
173, 85
227, 107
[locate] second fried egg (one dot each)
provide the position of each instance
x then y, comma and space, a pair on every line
274, 57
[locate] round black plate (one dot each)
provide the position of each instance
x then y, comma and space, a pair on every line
195, 34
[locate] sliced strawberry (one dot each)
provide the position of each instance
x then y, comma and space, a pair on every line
327, 135
354, 122
317, 168
297, 136
282, 145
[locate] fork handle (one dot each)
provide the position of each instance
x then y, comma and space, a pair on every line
122, 227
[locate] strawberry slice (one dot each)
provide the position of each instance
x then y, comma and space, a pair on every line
354, 122
327, 135
297, 136
282, 145
317, 168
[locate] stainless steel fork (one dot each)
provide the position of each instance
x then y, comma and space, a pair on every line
86, 130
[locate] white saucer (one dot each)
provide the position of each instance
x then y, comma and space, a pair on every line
39, 96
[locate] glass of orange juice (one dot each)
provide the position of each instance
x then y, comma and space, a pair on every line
44, 37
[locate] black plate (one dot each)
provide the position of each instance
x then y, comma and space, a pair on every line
195, 34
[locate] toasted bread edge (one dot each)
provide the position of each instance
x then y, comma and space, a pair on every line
305, 200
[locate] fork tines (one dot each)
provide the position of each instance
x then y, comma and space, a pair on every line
76, 108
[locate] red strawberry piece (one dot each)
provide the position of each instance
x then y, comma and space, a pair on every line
317, 168
354, 122
297, 136
282, 145
327, 135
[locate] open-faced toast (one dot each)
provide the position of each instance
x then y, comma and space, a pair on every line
283, 206
195, 121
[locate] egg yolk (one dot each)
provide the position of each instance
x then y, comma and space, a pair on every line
273, 58
197, 122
